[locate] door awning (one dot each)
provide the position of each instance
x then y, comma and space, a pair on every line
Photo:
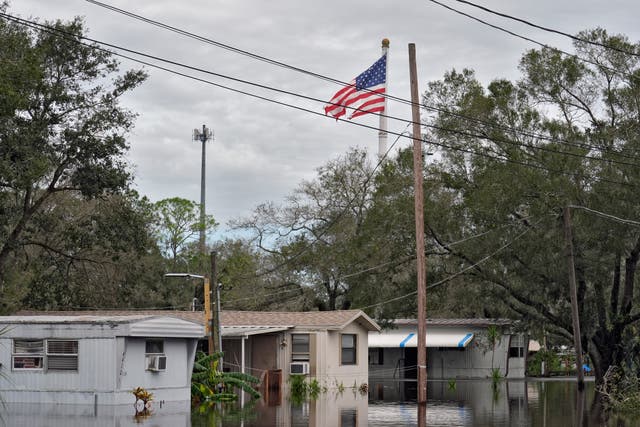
402, 339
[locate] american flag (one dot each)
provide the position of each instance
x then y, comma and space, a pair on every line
365, 94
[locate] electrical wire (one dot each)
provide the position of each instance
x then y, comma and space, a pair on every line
606, 215
41, 27
330, 79
453, 276
412, 257
547, 29
49, 29
555, 49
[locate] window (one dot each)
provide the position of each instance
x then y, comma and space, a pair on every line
376, 356
348, 417
516, 346
300, 347
28, 354
62, 355
348, 349
155, 360
154, 347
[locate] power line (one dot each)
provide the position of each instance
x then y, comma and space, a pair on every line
504, 30
242, 81
547, 29
533, 147
441, 145
444, 146
214, 42
324, 77
412, 257
453, 276
526, 133
606, 215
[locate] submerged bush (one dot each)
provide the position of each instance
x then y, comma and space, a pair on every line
621, 391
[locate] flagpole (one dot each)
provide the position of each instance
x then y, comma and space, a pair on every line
382, 133
419, 217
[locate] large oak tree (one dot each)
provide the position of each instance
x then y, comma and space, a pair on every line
62, 131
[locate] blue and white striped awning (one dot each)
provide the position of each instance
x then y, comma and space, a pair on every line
402, 339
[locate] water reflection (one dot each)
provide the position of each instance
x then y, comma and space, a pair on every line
461, 403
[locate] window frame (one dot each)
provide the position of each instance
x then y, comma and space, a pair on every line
64, 355
516, 346
35, 355
149, 341
44, 355
301, 356
354, 349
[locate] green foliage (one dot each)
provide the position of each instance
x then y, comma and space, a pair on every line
209, 385
62, 156
224, 413
621, 390
176, 224
496, 375
302, 390
322, 227
451, 384
550, 359
575, 134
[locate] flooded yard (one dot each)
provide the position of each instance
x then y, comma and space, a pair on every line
463, 403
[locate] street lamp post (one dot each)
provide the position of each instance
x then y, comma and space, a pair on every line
208, 307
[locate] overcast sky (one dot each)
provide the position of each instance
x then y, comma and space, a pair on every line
262, 151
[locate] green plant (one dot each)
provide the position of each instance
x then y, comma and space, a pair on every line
496, 376
314, 388
452, 384
209, 384
550, 359
301, 390
340, 387
621, 391
493, 336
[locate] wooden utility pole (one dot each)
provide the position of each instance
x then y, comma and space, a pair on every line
573, 293
419, 215
214, 321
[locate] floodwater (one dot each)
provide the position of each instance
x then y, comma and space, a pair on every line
463, 403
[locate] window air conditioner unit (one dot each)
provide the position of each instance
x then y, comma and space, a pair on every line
299, 368
156, 363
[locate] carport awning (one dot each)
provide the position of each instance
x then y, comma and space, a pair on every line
398, 339
245, 331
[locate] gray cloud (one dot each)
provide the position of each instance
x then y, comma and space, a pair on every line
262, 151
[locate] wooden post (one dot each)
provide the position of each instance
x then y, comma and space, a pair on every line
573, 294
213, 320
419, 216
208, 314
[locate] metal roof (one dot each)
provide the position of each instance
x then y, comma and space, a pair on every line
455, 322
135, 325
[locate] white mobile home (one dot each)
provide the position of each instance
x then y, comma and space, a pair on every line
96, 359
456, 348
